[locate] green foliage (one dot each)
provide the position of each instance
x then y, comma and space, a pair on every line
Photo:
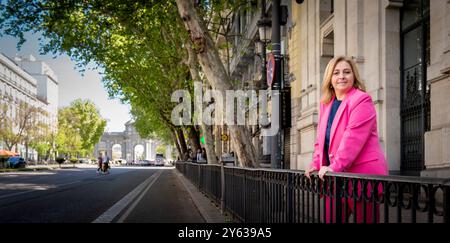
150, 125
161, 149
80, 128
138, 44
44, 143
20, 122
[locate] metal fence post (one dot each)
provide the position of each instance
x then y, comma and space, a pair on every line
289, 187
337, 200
199, 177
245, 196
261, 197
446, 204
222, 181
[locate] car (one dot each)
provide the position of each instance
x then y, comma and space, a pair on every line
16, 162
121, 161
144, 162
159, 160
84, 160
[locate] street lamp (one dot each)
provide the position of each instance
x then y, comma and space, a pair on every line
265, 29
260, 51
259, 48
265, 36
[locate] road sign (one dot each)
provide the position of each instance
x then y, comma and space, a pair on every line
270, 69
224, 137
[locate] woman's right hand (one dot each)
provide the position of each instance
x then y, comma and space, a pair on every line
309, 171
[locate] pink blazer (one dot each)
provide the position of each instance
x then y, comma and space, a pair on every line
354, 145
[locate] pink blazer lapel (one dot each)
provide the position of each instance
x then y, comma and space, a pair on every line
323, 125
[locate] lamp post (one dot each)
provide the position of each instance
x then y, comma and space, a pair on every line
279, 18
265, 35
275, 160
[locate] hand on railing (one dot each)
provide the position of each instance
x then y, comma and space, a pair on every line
323, 170
309, 171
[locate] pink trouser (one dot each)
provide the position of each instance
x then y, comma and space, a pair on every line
331, 215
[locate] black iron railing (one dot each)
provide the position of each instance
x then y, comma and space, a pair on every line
286, 196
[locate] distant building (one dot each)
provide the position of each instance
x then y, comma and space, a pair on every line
33, 82
47, 85
126, 145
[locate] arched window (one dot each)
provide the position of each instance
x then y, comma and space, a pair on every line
116, 152
139, 152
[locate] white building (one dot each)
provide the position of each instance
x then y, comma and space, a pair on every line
47, 85
32, 82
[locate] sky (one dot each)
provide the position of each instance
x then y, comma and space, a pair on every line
72, 84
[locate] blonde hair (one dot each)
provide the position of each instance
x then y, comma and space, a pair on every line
327, 88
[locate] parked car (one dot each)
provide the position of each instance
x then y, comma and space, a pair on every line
16, 162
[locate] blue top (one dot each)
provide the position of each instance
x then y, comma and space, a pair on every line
334, 108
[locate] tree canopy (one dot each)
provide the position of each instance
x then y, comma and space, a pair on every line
140, 45
80, 128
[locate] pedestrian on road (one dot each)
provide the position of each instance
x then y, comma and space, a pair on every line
105, 163
100, 163
347, 137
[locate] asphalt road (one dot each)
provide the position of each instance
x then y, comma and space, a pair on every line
80, 195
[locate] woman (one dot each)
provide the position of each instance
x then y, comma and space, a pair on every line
347, 138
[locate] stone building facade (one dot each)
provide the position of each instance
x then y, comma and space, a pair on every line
402, 49
28, 80
47, 86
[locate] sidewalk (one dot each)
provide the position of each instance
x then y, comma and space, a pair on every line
205, 206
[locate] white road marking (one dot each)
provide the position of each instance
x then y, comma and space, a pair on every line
112, 212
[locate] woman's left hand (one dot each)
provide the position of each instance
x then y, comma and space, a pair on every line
323, 170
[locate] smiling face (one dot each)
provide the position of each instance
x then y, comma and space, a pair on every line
342, 79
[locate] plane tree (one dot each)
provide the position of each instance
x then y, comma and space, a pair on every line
80, 127
140, 46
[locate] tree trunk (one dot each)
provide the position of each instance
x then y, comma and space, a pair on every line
218, 138
207, 130
183, 145
216, 74
209, 144
177, 144
26, 152
194, 139
9, 147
